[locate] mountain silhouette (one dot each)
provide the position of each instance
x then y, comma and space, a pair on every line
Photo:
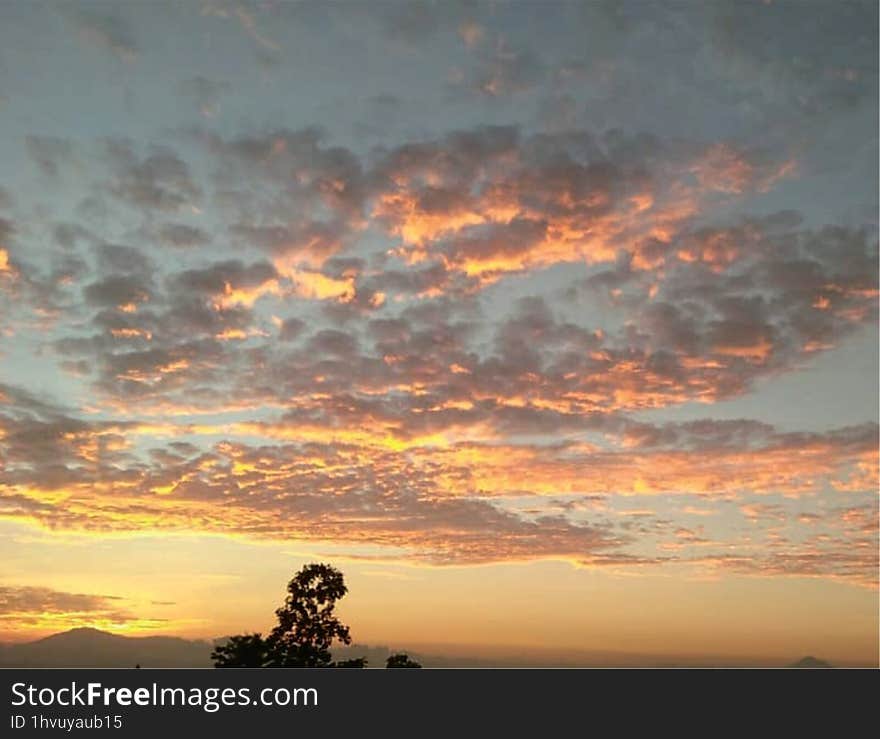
87, 647
93, 648
810, 663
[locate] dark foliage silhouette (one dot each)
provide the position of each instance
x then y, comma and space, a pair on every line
307, 627
245, 650
400, 660
307, 624
358, 662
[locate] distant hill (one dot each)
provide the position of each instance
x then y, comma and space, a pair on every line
810, 662
94, 648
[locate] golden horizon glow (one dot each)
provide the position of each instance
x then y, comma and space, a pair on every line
546, 345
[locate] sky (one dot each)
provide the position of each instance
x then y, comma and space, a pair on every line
552, 325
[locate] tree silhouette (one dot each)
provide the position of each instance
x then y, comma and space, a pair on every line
307, 624
400, 660
357, 662
307, 627
245, 650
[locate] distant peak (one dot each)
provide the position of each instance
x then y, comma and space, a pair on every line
810, 661
81, 632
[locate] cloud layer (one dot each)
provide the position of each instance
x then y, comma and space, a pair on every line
461, 338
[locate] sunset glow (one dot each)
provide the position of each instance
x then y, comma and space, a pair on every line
495, 306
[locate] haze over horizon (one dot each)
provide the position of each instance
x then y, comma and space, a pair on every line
552, 325
89, 647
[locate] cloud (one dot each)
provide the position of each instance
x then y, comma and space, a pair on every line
705, 309
117, 290
110, 33
50, 153
70, 235
447, 349
488, 202
160, 180
183, 236
231, 281
18, 601
353, 478
838, 73
507, 70
247, 15
410, 23
476, 205
204, 93
28, 609
291, 328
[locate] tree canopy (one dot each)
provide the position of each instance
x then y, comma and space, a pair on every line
245, 650
307, 627
400, 660
307, 623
